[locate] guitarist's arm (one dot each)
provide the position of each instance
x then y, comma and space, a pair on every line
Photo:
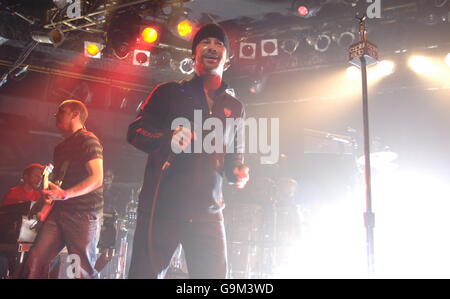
89, 184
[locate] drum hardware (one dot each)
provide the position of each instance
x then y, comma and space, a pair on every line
124, 228
381, 161
178, 266
261, 230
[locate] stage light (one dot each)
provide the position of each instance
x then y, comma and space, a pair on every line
345, 39
447, 59
269, 47
247, 50
259, 76
257, 85
421, 64
150, 34
122, 33
54, 37
186, 66
384, 68
179, 23
303, 11
323, 43
184, 28
92, 49
289, 45
307, 8
141, 57
121, 50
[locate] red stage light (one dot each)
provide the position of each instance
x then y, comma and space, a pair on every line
303, 11
149, 35
141, 57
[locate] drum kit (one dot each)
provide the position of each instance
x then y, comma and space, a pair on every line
119, 240
265, 223
261, 226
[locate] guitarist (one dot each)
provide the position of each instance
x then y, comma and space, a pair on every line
74, 220
24, 193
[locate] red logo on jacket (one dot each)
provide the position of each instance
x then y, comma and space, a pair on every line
227, 112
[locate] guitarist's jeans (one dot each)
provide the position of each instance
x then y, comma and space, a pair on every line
79, 231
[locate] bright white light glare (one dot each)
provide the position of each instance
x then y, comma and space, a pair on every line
384, 68
332, 244
447, 59
411, 218
353, 73
421, 64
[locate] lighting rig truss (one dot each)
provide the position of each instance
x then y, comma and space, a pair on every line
88, 21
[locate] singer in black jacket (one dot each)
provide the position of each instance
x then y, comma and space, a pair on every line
188, 206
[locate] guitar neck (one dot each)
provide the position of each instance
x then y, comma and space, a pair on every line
48, 169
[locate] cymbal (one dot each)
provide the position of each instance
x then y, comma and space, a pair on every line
380, 157
380, 160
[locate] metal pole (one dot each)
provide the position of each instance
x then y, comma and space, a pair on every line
369, 216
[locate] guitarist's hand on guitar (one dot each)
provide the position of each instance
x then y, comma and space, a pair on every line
54, 192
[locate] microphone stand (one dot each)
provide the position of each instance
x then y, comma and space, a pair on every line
363, 54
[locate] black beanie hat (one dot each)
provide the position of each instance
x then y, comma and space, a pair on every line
210, 30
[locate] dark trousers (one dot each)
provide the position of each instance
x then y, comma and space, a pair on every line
204, 245
78, 231
4, 265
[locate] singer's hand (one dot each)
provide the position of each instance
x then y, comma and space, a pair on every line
54, 192
181, 139
242, 176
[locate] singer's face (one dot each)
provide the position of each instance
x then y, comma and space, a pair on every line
210, 56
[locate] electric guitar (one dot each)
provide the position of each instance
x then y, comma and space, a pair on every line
42, 208
47, 204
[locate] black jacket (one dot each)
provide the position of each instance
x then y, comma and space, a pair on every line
191, 190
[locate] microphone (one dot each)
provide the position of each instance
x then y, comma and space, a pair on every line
166, 165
